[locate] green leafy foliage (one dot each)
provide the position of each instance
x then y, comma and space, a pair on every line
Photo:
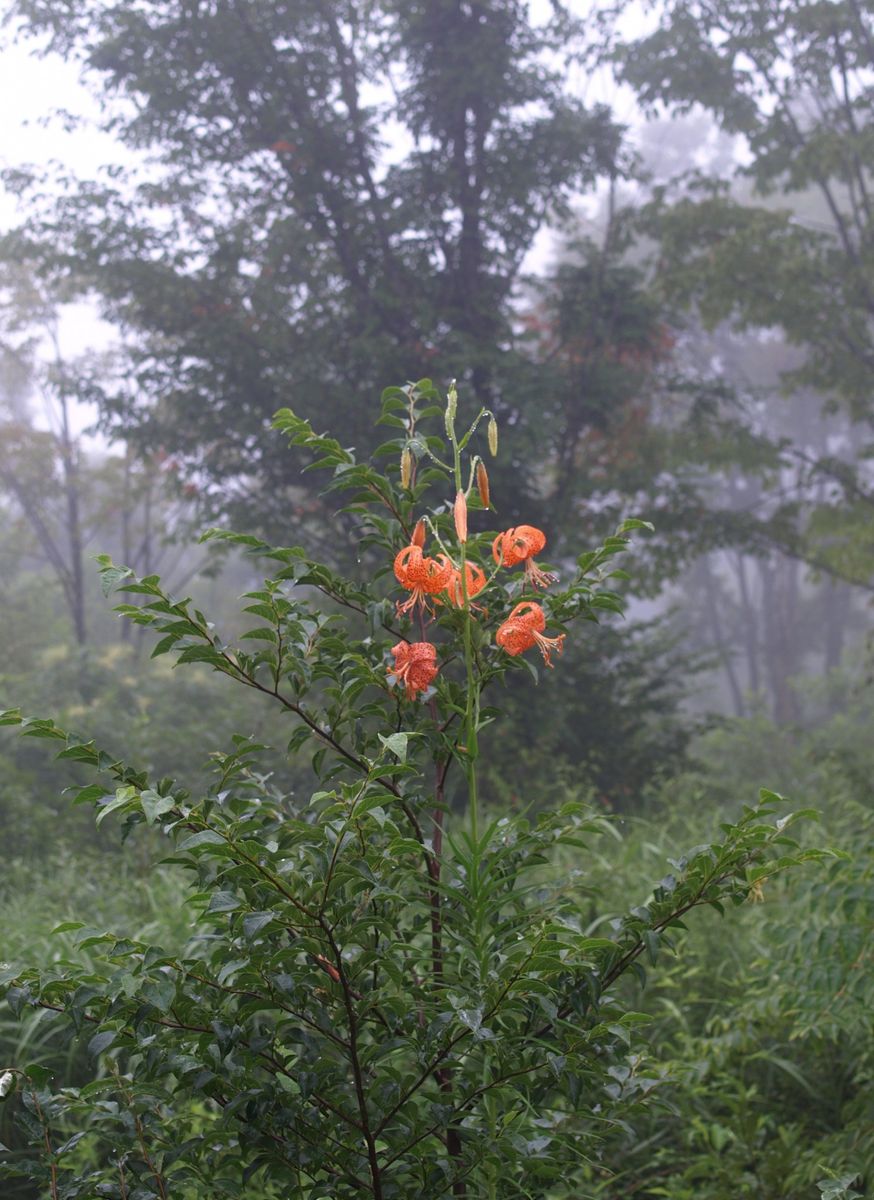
378, 996
297, 259
784, 246
763, 1025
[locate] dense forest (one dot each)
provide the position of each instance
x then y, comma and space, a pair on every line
420, 362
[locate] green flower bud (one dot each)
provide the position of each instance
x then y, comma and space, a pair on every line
493, 435
451, 410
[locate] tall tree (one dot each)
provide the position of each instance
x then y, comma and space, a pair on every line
41, 468
794, 83
58, 484
339, 195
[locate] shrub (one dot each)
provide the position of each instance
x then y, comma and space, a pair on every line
381, 997
764, 1024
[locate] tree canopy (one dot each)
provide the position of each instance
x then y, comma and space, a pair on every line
334, 197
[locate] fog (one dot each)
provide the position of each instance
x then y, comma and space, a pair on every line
639, 241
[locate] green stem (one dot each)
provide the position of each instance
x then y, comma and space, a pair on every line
471, 715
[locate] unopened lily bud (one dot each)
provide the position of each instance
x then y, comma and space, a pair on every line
406, 467
418, 538
492, 432
7, 1079
461, 516
451, 410
482, 483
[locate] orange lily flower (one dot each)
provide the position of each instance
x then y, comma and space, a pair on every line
415, 666
476, 581
524, 629
420, 575
520, 545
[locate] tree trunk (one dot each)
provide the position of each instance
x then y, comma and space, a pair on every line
70, 468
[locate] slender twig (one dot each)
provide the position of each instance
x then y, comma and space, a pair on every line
47, 1143
633, 953
338, 844
269, 876
250, 681
328, 1105
350, 604
348, 1176
461, 1106
141, 1133
293, 1012
443, 1054
355, 1062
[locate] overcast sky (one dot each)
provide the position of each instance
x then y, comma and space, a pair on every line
31, 89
